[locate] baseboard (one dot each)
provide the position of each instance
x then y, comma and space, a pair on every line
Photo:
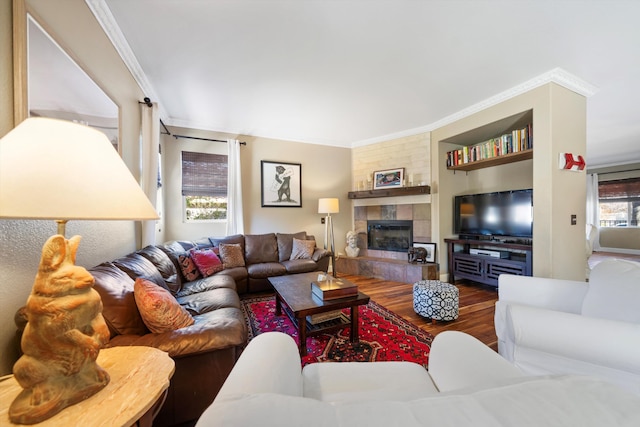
619, 251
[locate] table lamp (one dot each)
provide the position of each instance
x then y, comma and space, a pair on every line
328, 206
54, 169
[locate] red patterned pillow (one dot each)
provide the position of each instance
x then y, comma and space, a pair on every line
231, 254
206, 261
188, 267
158, 308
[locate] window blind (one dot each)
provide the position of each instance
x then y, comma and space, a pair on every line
204, 174
619, 190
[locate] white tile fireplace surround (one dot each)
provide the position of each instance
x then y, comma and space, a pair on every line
419, 214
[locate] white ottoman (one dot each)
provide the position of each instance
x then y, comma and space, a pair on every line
435, 300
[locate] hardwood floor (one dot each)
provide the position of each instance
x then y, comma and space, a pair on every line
475, 313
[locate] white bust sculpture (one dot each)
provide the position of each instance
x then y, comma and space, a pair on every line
352, 250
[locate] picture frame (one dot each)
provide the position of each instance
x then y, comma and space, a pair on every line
389, 178
281, 184
430, 248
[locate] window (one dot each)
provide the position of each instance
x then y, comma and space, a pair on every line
204, 186
619, 202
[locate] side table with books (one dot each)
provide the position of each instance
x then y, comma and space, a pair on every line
315, 313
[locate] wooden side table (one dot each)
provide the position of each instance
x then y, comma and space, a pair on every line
139, 382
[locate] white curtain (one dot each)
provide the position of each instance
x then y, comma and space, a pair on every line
593, 208
149, 148
235, 222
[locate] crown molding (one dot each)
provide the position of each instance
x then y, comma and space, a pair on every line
105, 18
557, 75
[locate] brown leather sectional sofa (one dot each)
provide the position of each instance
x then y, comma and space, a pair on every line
206, 351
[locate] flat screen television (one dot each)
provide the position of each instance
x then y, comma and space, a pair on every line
503, 213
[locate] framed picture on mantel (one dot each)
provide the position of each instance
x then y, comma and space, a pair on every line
390, 178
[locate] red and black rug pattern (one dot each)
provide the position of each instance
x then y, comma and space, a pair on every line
384, 336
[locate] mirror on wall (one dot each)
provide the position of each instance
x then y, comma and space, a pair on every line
58, 88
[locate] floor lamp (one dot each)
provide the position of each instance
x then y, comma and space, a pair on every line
59, 170
328, 206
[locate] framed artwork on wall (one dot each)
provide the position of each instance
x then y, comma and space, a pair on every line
390, 178
281, 184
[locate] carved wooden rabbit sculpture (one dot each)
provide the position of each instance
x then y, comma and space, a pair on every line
63, 336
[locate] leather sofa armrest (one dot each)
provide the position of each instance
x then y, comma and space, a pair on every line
319, 253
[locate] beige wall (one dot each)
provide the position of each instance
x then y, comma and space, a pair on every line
411, 153
325, 173
559, 125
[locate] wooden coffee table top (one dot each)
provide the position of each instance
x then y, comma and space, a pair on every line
295, 291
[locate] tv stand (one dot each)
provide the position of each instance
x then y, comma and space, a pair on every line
513, 256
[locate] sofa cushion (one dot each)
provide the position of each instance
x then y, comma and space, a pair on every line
260, 248
164, 264
614, 291
397, 381
210, 300
119, 307
231, 254
265, 270
300, 266
206, 261
285, 244
206, 284
158, 308
135, 265
214, 330
236, 238
302, 249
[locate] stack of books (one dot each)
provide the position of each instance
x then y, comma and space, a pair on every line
331, 288
516, 141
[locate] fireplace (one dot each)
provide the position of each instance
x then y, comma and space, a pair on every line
389, 235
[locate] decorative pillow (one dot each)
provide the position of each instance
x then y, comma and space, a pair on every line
188, 267
302, 249
206, 261
231, 254
159, 309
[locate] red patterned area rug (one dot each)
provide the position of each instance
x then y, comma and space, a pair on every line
383, 335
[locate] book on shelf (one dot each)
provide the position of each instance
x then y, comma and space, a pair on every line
516, 141
333, 289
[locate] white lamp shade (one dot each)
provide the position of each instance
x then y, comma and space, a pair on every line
328, 206
55, 169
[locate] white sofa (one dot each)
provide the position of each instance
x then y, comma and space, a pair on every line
551, 326
467, 385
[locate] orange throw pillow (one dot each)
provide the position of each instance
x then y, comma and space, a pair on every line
158, 308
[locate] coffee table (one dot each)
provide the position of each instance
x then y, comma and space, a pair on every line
294, 291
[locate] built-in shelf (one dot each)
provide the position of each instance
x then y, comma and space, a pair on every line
495, 161
390, 192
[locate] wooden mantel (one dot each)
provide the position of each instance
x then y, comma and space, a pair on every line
390, 192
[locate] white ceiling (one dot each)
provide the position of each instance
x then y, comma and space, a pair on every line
352, 72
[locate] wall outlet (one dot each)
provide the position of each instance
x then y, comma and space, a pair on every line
322, 220
574, 219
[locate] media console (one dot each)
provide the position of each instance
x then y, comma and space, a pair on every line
476, 260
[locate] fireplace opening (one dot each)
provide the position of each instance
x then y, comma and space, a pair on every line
389, 235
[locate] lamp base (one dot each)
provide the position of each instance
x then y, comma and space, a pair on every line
62, 339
